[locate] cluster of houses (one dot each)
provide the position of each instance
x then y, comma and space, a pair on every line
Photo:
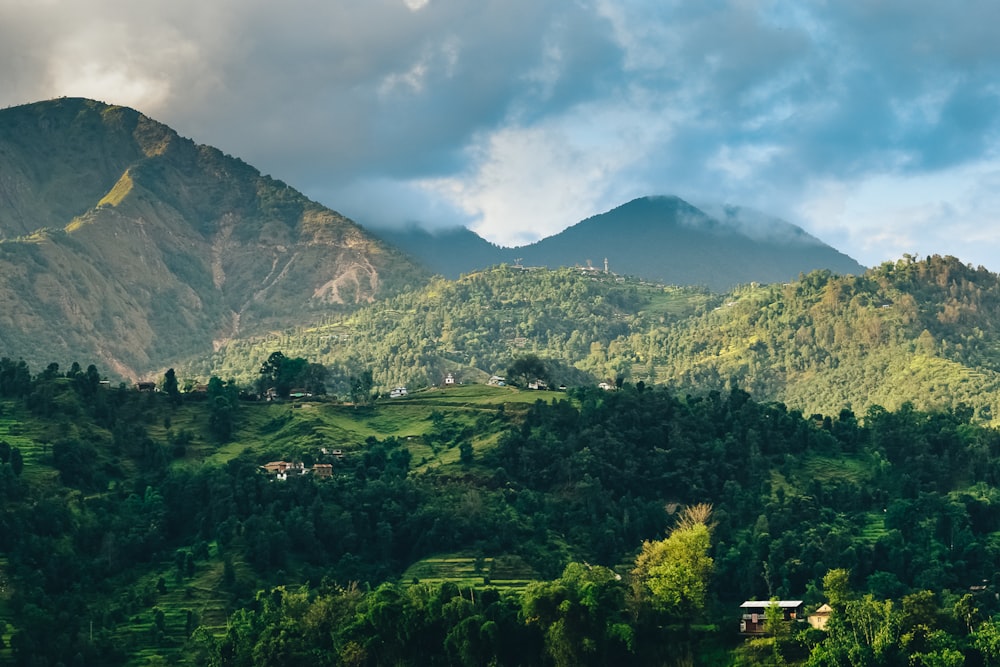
282, 470
754, 616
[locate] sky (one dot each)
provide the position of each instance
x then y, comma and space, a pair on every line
872, 124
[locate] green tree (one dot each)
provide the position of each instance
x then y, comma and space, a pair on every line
582, 615
170, 387
672, 575
527, 369
361, 388
16, 461
222, 403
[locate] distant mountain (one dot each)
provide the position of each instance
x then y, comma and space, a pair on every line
125, 244
447, 252
657, 238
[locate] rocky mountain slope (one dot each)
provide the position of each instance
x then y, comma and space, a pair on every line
128, 245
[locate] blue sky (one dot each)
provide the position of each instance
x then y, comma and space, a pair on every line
875, 125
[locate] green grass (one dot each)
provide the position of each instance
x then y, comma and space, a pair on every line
874, 528
828, 469
293, 428
503, 572
199, 593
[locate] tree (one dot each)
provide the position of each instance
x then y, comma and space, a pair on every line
16, 461
270, 373
672, 575
170, 387
526, 369
222, 401
582, 616
361, 388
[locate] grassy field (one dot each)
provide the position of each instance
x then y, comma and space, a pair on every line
502, 572
293, 429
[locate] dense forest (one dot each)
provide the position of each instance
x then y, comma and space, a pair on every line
139, 528
918, 331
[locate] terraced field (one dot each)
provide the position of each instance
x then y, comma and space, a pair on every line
502, 572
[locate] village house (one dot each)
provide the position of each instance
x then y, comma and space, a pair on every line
753, 619
496, 381
449, 380
819, 618
282, 470
323, 470
398, 392
538, 385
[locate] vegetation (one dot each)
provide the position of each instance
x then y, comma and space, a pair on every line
914, 331
633, 522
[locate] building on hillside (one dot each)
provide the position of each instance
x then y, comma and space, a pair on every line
282, 470
538, 385
819, 618
145, 386
323, 470
754, 615
449, 380
496, 381
398, 392
605, 386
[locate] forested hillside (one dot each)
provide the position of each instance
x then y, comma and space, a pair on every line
922, 331
478, 325
137, 531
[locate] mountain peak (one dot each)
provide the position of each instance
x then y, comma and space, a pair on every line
162, 245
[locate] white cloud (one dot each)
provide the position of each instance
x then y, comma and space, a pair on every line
882, 217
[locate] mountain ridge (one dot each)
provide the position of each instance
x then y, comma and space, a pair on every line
659, 237
157, 247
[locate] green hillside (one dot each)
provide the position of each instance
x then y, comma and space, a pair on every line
581, 322
921, 331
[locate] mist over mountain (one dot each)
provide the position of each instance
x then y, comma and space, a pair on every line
126, 244
664, 239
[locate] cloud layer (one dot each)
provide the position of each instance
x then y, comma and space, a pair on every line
873, 125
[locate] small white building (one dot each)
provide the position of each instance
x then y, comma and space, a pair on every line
449, 379
397, 392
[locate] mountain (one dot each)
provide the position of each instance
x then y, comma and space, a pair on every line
447, 252
656, 238
125, 244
